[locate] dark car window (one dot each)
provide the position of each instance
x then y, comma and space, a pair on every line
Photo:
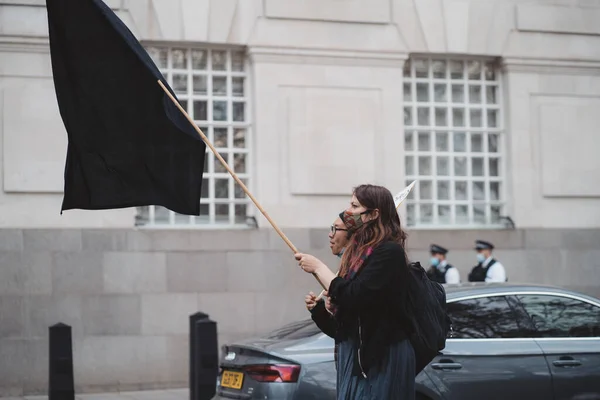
485, 317
557, 316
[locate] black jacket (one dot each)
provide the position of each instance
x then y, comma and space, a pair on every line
371, 306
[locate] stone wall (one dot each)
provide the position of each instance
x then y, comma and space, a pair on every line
128, 293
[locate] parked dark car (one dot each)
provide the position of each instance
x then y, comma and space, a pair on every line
508, 341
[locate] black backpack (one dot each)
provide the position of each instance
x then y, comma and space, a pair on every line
428, 314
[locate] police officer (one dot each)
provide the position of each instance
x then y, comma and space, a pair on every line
488, 268
440, 271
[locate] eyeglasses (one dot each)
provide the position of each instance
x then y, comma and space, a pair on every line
334, 229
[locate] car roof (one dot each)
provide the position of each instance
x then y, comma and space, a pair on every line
455, 291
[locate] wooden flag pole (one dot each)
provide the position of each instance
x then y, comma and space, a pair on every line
235, 177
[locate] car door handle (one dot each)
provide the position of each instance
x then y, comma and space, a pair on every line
446, 364
566, 362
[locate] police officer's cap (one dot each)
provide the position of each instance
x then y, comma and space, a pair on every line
483, 245
438, 249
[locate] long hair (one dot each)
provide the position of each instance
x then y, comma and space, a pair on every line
385, 228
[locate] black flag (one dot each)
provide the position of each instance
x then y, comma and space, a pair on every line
129, 145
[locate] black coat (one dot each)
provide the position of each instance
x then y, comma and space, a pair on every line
371, 307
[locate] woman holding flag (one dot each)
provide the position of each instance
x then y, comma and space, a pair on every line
375, 358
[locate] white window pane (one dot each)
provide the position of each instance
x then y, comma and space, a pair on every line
476, 142
494, 167
199, 59
460, 190
490, 71
219, 60
460, 166
237, 61
443, 190
409, 141
479, 213
475, 94
441, 141
441, 117
221, 188
239, 138
179, 58
239, 163
458, 117
476, 121
462, 214
220, 137
425, 190
410, 214
219, 86
239, 111
407, 92
496, 212
440, 92
493, 143
456, 70
444, 214
458, 93
220, 110
180, 83
200, 110
491, 94
443, 166
421, 68
474, 70
161, 215
407, 116
240, 213
424, 166
406, 69
460, 142
200, 84
478, 191
439, 69
423, 116
422, 92
477, 166
221, 213
426, 215
494, 191
424, 141
237, 86
409, 165
492, 118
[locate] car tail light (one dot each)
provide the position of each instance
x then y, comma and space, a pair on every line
273, 373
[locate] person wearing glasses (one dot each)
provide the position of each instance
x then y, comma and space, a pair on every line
375, 358
321, 310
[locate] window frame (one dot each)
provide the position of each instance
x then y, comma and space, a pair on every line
514, 293
414, 129
209, 219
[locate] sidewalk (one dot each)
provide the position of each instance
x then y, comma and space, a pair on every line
169, 394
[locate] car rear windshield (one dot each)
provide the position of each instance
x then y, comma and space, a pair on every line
296, 330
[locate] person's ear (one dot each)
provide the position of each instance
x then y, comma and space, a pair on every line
375, 213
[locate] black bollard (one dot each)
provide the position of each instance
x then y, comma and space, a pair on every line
60, 382
204, 357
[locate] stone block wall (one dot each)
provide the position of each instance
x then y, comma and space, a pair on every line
128, 293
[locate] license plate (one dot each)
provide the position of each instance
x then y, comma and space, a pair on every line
232, 379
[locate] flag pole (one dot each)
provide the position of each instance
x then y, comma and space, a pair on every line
235, 177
